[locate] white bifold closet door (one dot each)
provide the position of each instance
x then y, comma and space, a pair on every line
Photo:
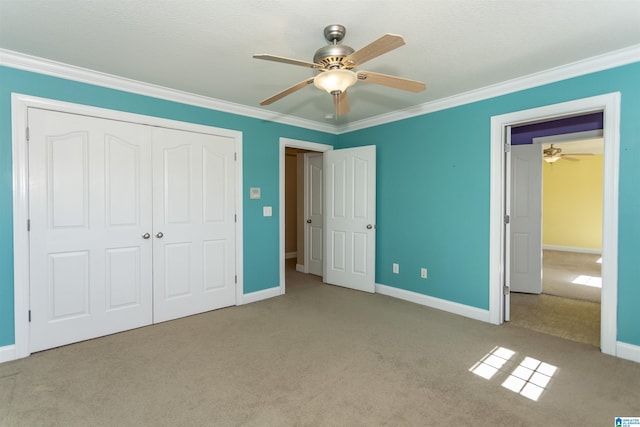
129, 225
194, 201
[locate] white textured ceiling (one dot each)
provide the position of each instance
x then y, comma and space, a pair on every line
205, 47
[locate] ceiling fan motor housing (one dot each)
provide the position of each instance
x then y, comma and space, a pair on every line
331, 56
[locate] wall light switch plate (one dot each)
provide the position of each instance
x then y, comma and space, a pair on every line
396, 268
267, 211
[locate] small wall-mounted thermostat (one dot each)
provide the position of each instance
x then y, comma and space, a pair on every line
254, 193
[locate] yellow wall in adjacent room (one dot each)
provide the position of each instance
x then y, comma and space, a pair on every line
572, 203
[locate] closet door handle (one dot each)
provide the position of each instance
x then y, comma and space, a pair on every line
146, 235
159, 235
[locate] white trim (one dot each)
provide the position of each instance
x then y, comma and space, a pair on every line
260, 295
7, 353
290, 255
628, 351
301, 268
239, 219
610, 105
304, 145
603, 62
34, 64
593, 251
437, 303
606, 61
19, 105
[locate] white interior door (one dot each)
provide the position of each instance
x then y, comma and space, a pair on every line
526, 219
350, 217
194, 223
313, 212
90, 205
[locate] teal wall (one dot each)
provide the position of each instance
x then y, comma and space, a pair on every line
260, 169
433, 192
433, 185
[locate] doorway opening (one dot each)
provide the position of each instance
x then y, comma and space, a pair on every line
294, 236
566, 300
347, 201
499, 299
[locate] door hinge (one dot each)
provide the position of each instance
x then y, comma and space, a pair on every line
235, 157
507, 219
28, 225
236, 279
27, 132
29, 315
235, 217
507, 148
506, 290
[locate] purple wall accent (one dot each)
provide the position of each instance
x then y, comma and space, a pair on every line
525, 134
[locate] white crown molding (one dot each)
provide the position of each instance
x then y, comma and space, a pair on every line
606, 61
34, 64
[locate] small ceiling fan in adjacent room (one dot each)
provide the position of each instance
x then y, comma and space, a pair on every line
553, 154
336, 62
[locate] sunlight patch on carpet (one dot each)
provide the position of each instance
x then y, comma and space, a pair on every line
491, 363
584, 280
529, 379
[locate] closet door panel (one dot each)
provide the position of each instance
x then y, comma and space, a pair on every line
194, 227
89, 205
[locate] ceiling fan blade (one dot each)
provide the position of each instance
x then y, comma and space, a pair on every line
391, 81
571, 159
376, 48
287, 91
341, 103
284, 60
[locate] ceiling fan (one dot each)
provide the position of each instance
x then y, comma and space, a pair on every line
335, 63
553, 154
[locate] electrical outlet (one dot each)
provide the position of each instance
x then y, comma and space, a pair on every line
423, 273
396, 268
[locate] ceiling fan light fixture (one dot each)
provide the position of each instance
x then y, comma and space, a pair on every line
333, 81
551, 159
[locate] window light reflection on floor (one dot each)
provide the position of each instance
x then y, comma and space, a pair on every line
492, 362
529, 379
592, 281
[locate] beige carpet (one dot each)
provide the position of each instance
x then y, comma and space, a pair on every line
561, 269
565, 309
567, 318
320, 356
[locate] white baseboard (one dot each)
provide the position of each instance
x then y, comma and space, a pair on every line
573, 249
300, 268
628, 351
261, 295
437, 303
290, 255
7, 353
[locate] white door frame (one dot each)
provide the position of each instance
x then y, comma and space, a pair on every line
19, 106
304, 145
609, 104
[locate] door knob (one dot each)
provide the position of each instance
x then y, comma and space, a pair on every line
159, 235
146, 235
369, 226
308, 221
